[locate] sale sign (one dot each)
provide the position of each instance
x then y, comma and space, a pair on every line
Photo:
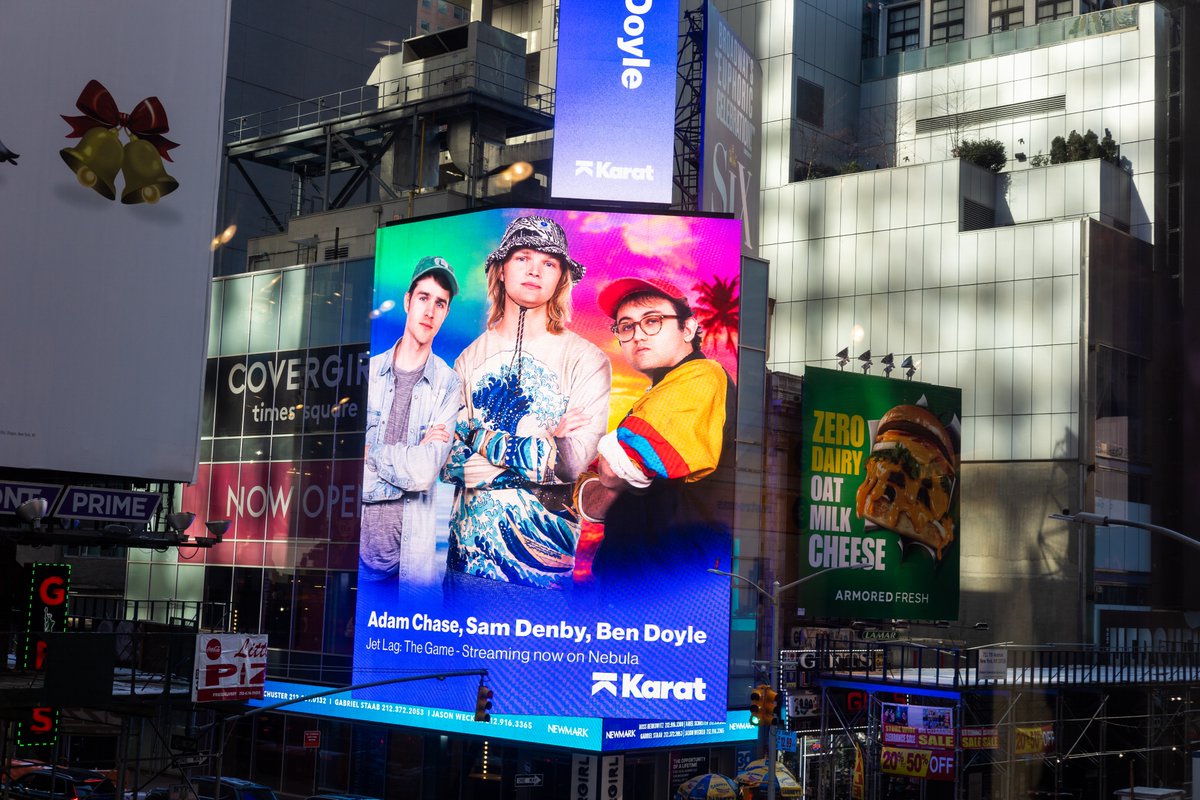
927, 764
980, 739
229, 666
922, 726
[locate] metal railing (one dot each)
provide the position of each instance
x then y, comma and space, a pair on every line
105, 613
1050, 665
376, 97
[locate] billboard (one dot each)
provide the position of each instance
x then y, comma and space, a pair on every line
487, 539
614, 108
731, 130
879, 497
229, 666
577, 733
109, 170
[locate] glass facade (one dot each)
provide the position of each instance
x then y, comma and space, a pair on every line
281, 459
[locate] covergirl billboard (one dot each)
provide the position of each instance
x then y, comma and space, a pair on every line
548, 462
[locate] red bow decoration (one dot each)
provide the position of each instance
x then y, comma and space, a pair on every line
147, 121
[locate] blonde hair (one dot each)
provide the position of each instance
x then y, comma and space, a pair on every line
558, 307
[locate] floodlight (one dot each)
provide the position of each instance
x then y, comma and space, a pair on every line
843, 357
909, 368
889, 364
865, 357
180, 520
217, 527
33, 511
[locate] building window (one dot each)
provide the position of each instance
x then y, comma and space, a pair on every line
904, 28
1006, 14
870, 30
1053, 9
425, 25
946, 21
810, 102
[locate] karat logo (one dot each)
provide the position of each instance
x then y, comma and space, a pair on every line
606, 170
637, 687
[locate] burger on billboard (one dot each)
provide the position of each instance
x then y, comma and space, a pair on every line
548, 462
880, 489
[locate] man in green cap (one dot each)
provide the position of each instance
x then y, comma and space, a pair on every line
413, 399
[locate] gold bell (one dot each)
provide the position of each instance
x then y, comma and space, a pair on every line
146, 179
96, 160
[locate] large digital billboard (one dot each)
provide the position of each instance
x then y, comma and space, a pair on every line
732, 130
548, 462
110, 155
879, 497
614, 103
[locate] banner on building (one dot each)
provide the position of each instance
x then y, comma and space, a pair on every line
980, 738
109, 171
732, 133
499, 565
614, 112
229, 666
1035, 740
879, 497
923, 726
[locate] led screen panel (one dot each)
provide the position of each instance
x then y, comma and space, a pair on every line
110, 149
879, 497
577, 733
614, 108
475, 550
732, 130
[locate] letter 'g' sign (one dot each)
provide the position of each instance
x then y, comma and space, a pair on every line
49, 585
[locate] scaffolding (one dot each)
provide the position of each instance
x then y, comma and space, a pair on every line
1052, 722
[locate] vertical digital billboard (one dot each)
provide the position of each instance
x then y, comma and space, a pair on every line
548, 462
731, 130
109, 171
614, 106
879, 497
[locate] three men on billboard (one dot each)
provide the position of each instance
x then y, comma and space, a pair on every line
413, 400
536, 400
646, 489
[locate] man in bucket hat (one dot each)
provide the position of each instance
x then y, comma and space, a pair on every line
662, 485
535, 404
413, 399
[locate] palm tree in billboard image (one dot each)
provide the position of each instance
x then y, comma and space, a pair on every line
716, 309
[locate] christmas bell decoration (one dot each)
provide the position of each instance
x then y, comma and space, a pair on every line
146, 179
96, 160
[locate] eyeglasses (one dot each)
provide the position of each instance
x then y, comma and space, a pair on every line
650, 325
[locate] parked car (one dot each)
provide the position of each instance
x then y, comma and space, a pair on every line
60, 783
19, 766
231, 789
339, 796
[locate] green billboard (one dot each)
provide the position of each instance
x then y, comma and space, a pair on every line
879, 497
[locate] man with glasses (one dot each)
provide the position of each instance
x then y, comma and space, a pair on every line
663, 480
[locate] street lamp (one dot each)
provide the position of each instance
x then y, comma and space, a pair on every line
1088, 518
773, 598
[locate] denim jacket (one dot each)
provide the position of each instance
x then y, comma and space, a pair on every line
405, 469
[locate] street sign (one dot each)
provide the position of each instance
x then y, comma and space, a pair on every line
785, 741
528, 779
191, 761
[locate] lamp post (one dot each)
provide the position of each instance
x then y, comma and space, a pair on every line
773, 598
1088, 518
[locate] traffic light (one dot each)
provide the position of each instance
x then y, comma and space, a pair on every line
763, 700
483, 704
770, 701
756, 704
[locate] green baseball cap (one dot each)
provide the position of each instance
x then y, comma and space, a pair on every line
431, 264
